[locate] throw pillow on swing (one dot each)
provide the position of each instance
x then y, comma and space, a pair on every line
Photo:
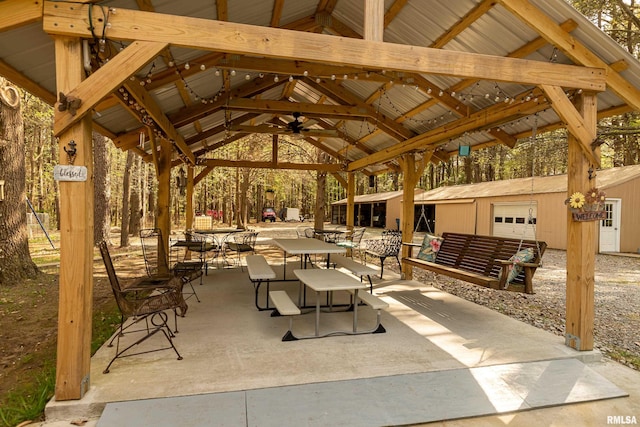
524, 255
430, 247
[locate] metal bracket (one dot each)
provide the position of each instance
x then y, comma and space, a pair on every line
569, 337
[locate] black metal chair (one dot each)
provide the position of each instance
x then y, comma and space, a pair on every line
242, 242
202, 245
160, 265
145, 300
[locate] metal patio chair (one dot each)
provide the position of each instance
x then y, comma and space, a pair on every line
143, 302
160, 264
243, 242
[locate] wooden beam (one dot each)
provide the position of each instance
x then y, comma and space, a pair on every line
351, 194
393, 11
189, 198
16, 13
571, 47
269, 165
188, 115
276, 14
164, 190
486, 118
374, 20
105, 80
581, 241
222, 10
464, 23
573, 119
342, 95
410, 178
73, 362
204, 34
154, 111
203, 174
340, 179
309, 110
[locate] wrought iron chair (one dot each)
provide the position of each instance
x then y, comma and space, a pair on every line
242, 242
387, 246
157, 266
202, 245
145, 300
352, 241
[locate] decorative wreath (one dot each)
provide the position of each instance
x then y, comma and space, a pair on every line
10, 96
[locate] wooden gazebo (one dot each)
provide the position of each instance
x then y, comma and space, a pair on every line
421, 77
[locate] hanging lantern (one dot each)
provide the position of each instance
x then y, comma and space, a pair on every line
181, 181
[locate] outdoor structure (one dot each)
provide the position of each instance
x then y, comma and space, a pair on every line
390, 85
503, 208
382, 210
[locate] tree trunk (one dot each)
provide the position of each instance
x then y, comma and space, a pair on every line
126, 194
102, 190
15, 259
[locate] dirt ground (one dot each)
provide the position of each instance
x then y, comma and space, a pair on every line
29, 316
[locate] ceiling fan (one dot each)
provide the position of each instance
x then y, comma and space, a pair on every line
295, 127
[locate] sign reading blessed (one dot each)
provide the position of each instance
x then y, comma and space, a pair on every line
69, 173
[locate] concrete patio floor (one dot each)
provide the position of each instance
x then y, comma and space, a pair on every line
228, 345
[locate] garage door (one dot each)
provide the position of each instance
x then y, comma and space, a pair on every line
512, 220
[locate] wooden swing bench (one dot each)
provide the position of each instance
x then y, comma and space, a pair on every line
479, 260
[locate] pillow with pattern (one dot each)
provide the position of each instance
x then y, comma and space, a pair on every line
524, 255
430, 247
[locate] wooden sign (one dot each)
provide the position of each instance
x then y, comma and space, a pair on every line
589, 216
70, 173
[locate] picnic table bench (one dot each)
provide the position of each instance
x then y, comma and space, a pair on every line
260, 272
483, 260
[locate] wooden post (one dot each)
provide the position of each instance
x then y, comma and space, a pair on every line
76, 239
351, 190
189, 207
164, 190
581, 247
374, 20
408, 200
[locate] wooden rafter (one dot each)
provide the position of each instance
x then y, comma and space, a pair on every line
571, 47
106, 79
16, 13
269, 165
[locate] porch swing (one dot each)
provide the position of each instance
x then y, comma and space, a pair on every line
495, 262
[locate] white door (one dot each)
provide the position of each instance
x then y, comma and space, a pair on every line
515, 220
610, 227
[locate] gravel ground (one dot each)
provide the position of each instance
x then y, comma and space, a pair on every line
617, 301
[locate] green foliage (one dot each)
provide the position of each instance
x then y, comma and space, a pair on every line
28, 401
